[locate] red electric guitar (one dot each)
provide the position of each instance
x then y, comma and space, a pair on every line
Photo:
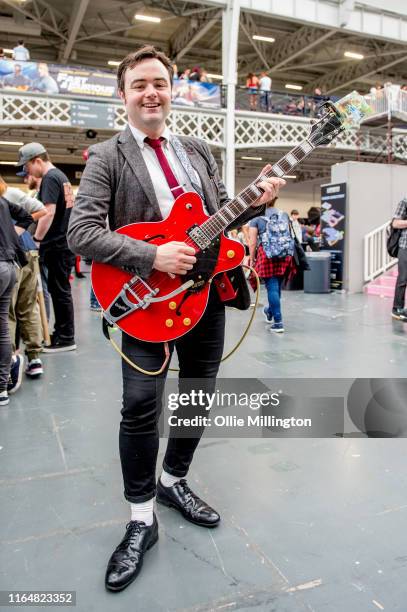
164, 306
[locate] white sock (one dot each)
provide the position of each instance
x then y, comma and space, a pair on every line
3, 393
167, 480
143, 512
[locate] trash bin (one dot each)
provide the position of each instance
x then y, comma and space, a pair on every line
318, 278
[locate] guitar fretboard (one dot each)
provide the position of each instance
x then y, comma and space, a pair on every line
233, 209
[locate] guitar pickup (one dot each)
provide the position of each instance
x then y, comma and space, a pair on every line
199, 237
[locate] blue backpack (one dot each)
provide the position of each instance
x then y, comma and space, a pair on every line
276, 238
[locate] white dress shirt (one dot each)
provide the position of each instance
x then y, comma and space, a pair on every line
161, 187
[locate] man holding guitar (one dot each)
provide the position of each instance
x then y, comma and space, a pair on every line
135, 177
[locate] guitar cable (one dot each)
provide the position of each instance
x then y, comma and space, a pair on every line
166, 347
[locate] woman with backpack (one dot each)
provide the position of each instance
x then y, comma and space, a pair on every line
274, 259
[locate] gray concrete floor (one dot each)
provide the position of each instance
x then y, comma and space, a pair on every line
308, 524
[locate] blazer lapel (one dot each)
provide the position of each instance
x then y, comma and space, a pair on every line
134, 158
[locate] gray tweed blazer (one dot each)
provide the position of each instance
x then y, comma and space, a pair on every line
116, 185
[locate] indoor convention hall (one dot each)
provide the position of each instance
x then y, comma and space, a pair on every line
203, 319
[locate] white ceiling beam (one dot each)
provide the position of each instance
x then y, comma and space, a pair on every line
78, 13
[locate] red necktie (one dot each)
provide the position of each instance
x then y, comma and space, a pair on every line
156, 144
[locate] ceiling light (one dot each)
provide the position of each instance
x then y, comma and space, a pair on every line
291, 176
8, 163
8, 51
254, 158
352, 55
291, 86
147, 18
12, 143
263, 38
113, 63
214, 76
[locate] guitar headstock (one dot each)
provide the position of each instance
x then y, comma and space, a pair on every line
347, 113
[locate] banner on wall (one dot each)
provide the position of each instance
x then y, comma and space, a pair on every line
54, 79
333, 219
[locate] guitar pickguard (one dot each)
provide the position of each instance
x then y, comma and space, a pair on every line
204, 267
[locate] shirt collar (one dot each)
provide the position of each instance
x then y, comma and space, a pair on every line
139, 136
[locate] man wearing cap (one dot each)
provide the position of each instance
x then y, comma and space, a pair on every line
57, 196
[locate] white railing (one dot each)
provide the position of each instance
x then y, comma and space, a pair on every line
252, 130
389, 99
376, 258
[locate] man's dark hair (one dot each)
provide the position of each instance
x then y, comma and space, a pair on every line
20, 42
134, 58
294, 212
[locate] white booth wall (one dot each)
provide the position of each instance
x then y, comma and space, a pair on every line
373, 192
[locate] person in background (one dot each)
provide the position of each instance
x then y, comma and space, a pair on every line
24, 309
2, 55
195, 74
294, 216
34, 184
21, 53
185, 75
273, 270
252, 84
204, 76
10, 254
265, 92
400, 222
57, 195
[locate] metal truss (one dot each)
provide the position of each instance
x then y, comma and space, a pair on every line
249, 27
188, 34
296, 44
351, 73
46, 16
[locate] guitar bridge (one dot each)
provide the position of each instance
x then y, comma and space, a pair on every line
122, 305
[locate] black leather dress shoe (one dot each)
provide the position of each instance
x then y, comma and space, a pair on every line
194, 509
127, 560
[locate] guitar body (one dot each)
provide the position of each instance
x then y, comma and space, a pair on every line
172, 317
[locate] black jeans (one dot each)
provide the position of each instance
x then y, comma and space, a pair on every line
59, 263
399, 295
199, 354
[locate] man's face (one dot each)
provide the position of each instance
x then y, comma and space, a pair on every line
147, 95
17, 69
34, 167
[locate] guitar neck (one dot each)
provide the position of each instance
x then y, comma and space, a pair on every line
226, 215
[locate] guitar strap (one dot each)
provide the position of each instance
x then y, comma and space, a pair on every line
186, 164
